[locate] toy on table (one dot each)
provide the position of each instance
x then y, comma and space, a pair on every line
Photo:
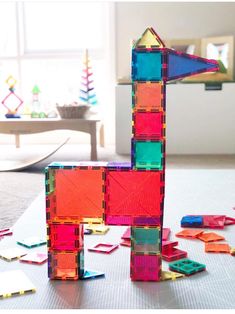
12, 102
6, 232
87, 90
130, 194
37, 110
32, 242
92, 274
12, 254
207, 221
171, 253
217, 248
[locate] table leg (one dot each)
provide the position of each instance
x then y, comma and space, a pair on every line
17, 140
102, 135
93, 142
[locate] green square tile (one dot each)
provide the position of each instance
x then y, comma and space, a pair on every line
148, 154
187, 267
145, 235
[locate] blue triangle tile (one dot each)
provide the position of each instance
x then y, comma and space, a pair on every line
181, 65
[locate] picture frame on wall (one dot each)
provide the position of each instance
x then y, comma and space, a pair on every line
221, 49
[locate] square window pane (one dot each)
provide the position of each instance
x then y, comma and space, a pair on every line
51, 26
8, 44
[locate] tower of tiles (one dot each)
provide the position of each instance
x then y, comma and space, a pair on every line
115, 193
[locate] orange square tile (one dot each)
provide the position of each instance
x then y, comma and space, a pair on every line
189, 233
217, 248
148, 96
210, 237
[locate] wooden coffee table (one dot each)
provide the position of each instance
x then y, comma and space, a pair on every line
21, 126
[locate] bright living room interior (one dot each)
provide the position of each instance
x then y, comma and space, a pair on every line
200, 123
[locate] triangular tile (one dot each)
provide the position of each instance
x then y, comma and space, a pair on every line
149, 39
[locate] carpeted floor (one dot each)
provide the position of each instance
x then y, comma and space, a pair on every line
19, 189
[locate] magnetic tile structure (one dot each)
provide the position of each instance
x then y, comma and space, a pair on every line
123, 194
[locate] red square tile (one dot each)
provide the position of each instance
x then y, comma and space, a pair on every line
148, 125
133, 197
145, 267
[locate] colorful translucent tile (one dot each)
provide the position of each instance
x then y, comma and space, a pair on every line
182, 65
32, 242
148, 125
187, 267
126, 243
104, 248
6, 232
149, 39
148, 96
146, 65
92, 274
127, 234
98, 229
133, 197
66, 265
79, 194
217, 248
12, 253
189, 233
214, 221
65, 236
210, 237
145, 239
232, 251
14, 283
147, 154
170, 275
173, 255
192, 221
165, 233
34, 258
145, 267
168, 245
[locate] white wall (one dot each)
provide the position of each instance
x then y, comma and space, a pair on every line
171, 21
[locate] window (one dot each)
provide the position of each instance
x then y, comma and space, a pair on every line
43, 43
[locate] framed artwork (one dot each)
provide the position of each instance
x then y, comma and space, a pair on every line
191, 46
221, 49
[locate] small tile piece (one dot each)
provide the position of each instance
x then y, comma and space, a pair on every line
165, 234
32, 242
148, 125
145, 267
187, 267
12, 253
92, 274
189, 233
127, 234
13, 283
232, 251
210, 237
98, 229
65, 237
147, 154
65, 265
148, 96
170, 275
6, 232
192, 221
173, 255
126, 243
104, 248
217, 248
146, 65
145, 239
34, 258
168, 245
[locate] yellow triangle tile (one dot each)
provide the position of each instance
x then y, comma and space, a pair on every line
149, 39
170, 275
